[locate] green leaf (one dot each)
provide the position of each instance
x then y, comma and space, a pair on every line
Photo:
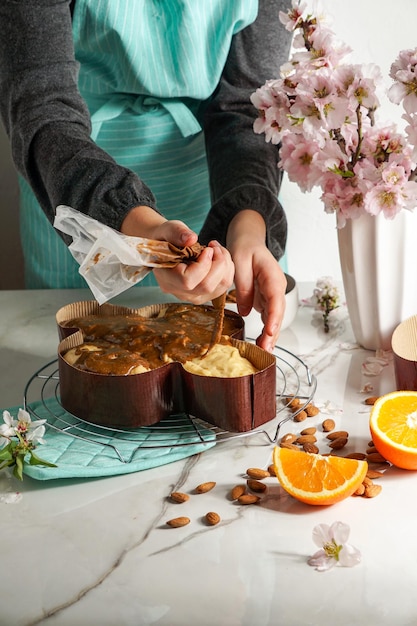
35, 460
18, 468
6, 453
342, 173
7, 463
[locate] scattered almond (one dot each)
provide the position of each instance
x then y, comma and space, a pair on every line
290, 446
294, 403
204, 487
288, 438
257, 473
212, 518
256, 485
359, 456
372, 490
311, 410
371, 473
375, 457
300, 417
177, 522
337, 444
338, 433
237, 491
371, 400
328, 425
248, 499
271, 470
179, 497
305, 439
311, 448
309, 431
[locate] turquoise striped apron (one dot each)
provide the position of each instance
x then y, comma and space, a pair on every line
145, 64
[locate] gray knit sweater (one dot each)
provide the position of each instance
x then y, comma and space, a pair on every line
48, 123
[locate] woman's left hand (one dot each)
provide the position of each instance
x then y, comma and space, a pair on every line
260, 282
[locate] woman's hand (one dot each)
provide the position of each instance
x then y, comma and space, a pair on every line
260, 282
200, 281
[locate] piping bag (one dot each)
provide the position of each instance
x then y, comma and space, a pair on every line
111, 262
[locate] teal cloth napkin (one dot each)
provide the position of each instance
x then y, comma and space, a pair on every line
81, 450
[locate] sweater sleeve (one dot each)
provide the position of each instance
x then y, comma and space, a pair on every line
48, 122
243, 167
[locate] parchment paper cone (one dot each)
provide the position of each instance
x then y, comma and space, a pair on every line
110, 261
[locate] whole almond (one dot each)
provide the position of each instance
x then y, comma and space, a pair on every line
305, 439
371, 473
371, 401
375, 457
288, 438
359, 456
328, 425
177, 522
212, 518
271, 470
257, 473
290, 446
248, 498
204, 487
179, 497
256, 485
294, 403
311, 410
237, 491
372, 490
311, 448
300, 417
309, 431
339, 443
338, 433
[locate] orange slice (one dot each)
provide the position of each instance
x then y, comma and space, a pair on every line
316, 479
393, 425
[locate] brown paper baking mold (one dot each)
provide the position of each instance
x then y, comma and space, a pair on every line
234, 404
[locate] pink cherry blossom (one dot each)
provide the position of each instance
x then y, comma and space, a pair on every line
294, 16
299, 160
403, 72
321, 112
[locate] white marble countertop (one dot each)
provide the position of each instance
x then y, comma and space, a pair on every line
99, 552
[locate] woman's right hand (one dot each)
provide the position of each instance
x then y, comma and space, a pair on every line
198, 282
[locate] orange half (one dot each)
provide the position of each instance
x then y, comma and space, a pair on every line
393, 425
316, 479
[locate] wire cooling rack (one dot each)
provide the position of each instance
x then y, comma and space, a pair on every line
41, 399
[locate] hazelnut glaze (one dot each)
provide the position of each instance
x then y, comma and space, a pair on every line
122, 342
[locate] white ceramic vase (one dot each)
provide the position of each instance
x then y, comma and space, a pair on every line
378, 259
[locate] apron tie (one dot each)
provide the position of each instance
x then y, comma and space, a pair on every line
117, 104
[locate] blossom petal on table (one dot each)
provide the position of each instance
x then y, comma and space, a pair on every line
373, 366
321, 561
328, 408
349, 556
